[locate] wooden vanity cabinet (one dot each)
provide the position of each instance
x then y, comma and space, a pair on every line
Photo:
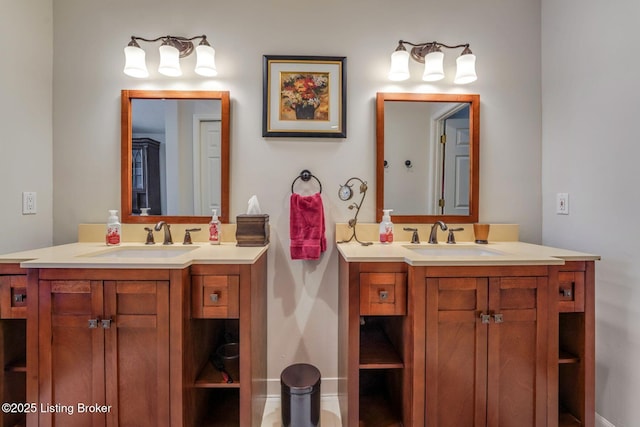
485, 351
103, 347
572, 349
13, 348
470, 346
137, 344
374, 341
227, 304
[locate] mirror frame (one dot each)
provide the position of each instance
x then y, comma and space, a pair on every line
126, 154
474, 163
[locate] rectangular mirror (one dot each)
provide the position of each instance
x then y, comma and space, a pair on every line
427, 157
174, 156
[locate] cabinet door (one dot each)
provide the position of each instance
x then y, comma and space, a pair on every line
486, 352
456, 352
71, 352
136, 322
517, 352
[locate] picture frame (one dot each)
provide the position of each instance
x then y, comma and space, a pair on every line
304, 96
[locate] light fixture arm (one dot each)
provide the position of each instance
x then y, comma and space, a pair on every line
183, 44
420, 50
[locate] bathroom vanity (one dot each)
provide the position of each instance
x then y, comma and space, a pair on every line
91, 335
13, 346
466, 335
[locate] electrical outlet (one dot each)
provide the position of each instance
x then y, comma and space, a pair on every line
562, 203
28, 202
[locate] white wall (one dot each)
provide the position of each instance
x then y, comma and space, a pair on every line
90, 36
25, 122
408, 136
591, 150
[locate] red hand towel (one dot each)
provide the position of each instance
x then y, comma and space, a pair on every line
306, 226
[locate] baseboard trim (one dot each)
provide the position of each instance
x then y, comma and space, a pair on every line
602, 422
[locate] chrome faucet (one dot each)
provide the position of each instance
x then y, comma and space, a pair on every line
433, 236
167, 232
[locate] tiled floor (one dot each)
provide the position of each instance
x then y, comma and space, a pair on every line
329, 415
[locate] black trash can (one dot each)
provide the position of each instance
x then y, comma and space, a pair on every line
300, 386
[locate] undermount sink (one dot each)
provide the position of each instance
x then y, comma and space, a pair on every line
453, 250
141, 252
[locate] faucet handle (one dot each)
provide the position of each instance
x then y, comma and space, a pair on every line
150, 240
452, 239
187, 235
414, 237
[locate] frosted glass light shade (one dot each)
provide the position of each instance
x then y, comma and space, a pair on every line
169, 61
135, 65
433, 67
206, 61
466, 69
399, 65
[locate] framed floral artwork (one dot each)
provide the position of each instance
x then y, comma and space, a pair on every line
304, 96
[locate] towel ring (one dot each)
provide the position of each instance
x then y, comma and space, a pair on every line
305, 175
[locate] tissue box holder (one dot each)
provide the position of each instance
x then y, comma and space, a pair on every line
252, 230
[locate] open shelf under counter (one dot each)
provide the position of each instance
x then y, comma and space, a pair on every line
381, 398
210, 377
377, 351
566, 357
223, 410
17, 366
375, 411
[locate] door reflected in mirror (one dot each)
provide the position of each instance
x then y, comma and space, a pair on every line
175, 155
427, 157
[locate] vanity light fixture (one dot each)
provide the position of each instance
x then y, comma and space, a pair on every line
431, 55
172, 49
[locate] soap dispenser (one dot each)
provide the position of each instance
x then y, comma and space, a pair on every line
214, 229
114, 228
386, 227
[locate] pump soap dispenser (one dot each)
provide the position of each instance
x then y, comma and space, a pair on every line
214, 229
386, 227
114, 228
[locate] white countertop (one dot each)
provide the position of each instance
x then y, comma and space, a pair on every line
503, 253
92, 255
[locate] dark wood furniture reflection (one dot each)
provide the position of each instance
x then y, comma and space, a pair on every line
13, 348
145, 176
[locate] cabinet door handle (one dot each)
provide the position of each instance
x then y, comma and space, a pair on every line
105, 323
19, 297
383, 295
214, 297
93, 323
485, 318
498, 318
565, 293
